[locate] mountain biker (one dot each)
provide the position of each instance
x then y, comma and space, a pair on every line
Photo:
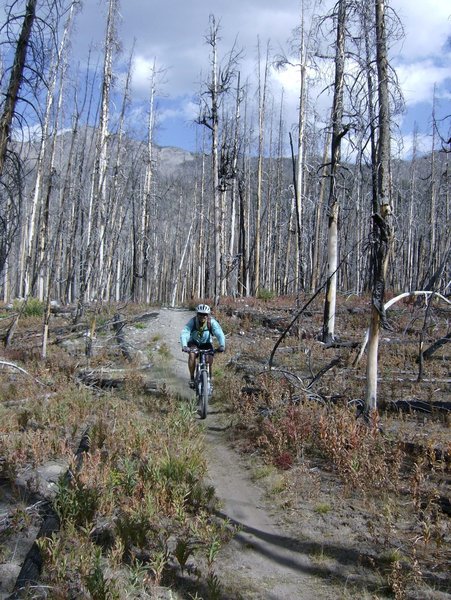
198, 333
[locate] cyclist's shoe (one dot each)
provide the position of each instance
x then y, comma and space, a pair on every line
211, 389
192, 384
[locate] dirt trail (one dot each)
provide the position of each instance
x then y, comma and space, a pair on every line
262, 562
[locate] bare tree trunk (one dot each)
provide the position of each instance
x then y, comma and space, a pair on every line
316, 258
359, 221
34, 217
143, 258
299, 182
298, 275
275, 218
410, 232
15, 80
267, 223
214, 157
262, 85
383, 219
243, 238
219, 84
182, 260
337, 134
96, 219
48, 256
291, 233
233, 259
100, 178
432, 214
202, 241
113, 222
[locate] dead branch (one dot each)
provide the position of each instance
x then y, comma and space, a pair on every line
387, 306
436, 346
289, 376
292, 322
335, 362
4, 363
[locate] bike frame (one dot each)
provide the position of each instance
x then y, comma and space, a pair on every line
202, 381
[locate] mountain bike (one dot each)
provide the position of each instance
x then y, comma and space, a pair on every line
202, 385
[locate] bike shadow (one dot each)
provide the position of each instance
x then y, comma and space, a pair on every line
295, 554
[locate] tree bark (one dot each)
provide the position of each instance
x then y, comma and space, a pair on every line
383, 220
262, 86
337, 134
15, 80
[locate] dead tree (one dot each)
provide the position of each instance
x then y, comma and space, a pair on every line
383, 219
15, 79
337, 134
219, 85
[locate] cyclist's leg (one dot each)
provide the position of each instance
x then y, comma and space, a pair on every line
192, 362
209, 358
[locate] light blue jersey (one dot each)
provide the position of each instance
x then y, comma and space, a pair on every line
200, 334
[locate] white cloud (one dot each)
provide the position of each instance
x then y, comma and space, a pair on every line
173, 33
142, 72
427, 27
419, 78
183, 108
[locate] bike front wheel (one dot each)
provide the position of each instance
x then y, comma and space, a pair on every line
203, 396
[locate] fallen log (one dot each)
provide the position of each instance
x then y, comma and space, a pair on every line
30, 572
436, 346
4, 363
417, 406
101, 379
415, 449
144, 317
387, 305
31, 569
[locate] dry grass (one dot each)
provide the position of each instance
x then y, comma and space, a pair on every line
395, 470
136, 513
138, 510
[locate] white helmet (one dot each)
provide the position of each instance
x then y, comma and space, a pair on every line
203, 309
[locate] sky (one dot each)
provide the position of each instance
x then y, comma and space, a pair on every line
173, 34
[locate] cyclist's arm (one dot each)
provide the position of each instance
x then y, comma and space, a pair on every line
186, 334
218, 333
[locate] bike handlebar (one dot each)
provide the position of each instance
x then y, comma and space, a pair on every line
210, 351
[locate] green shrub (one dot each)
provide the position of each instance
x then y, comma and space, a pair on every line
265, 295
33, 307
75, 502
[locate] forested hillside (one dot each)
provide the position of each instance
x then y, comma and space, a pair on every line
90, 214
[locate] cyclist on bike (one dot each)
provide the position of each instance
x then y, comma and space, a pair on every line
198, 333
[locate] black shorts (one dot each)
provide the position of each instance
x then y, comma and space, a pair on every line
193, 344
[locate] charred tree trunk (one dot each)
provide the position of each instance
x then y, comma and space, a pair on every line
16, 79
383, 219
337, 134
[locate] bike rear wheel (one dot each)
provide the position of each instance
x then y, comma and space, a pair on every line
203, 396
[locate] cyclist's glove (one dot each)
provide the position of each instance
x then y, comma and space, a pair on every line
185, 349
220, 349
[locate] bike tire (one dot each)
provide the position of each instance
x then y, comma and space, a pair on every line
203, 408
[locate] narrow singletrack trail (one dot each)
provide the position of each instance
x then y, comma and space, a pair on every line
262, 561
